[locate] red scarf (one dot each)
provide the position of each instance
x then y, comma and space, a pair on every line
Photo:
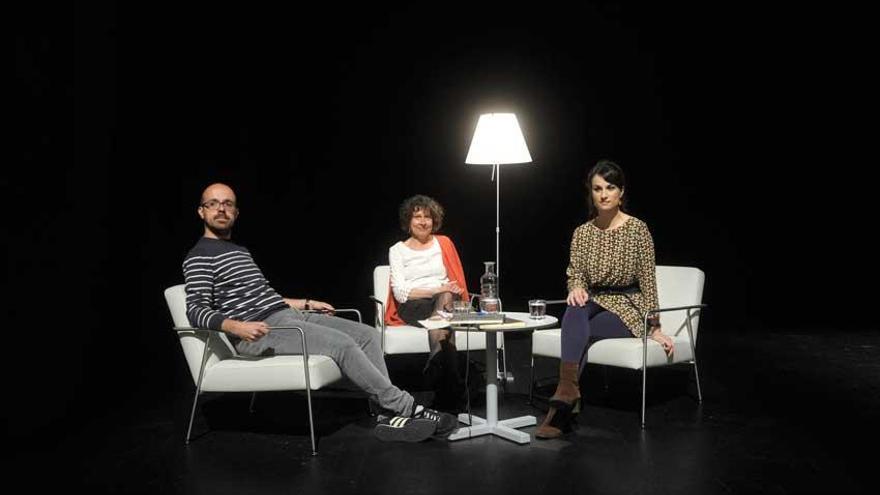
454, 272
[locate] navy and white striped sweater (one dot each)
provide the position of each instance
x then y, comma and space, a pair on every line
223, 281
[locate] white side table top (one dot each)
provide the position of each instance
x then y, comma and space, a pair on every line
530, 323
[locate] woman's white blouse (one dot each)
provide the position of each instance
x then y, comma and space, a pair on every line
415, 269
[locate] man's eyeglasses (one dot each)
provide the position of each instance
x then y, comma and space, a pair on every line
215, 204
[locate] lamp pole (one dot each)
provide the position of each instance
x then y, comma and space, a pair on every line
497, 171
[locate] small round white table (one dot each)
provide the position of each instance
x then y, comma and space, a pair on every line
490, 425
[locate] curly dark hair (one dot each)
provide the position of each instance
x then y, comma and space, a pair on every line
612, 173
424, 203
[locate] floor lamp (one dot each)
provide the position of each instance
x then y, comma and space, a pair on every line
498, 140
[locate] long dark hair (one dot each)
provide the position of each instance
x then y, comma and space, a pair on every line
613, 174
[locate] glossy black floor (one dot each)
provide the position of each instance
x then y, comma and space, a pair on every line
782, 413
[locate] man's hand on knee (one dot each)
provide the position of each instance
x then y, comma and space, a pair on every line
249, 331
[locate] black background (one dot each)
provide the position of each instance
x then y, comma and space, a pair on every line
739, 128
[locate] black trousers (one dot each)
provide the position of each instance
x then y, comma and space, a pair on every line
442, 374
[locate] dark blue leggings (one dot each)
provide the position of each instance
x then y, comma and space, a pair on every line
583, 325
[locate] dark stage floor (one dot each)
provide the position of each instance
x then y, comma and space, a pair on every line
782, 413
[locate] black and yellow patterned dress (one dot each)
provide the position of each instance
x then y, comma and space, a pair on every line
618, 257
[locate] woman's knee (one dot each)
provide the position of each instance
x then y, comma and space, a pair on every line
575, 315
576, 311
443, 301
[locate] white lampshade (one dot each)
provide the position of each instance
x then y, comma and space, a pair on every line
498, 139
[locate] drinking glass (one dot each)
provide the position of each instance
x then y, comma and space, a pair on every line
537, 308
461, 307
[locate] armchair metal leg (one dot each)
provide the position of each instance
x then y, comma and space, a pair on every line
308, 381
694, 354
311, 418
308, 390
253, 399
644, 367
531, 377
644, 380
192, 414
697, 376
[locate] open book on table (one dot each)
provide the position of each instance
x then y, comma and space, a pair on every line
435, 324
486, 321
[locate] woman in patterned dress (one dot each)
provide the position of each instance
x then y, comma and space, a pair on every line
611, 284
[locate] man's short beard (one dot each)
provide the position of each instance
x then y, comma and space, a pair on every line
227, 232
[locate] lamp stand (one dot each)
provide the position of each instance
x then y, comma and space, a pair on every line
496, 171
500, 374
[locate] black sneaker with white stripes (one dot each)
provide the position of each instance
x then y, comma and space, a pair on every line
401, 429
446, 423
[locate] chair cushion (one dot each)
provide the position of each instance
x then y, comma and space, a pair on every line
547, 343
269, 373
625, 353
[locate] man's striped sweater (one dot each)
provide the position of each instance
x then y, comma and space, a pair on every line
223, 281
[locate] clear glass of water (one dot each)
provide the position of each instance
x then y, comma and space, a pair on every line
461, 307
537, 309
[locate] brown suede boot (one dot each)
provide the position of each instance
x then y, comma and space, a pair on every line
563, 405
567, 392
548, 430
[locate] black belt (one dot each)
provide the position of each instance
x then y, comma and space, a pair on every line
615, 289
622, 290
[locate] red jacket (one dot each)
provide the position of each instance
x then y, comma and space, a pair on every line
454, 272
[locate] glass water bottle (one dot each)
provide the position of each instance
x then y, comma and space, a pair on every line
489, 301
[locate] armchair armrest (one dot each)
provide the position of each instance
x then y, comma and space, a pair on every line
380, 321
212, 332
667, 310
377, 301
677, 308
337, 310
196, 329
305, 349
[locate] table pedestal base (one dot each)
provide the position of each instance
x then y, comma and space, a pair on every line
503, 428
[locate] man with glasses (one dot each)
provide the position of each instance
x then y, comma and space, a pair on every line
226, 290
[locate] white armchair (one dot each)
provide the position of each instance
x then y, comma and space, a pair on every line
680, 293
216, 366
405, 339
